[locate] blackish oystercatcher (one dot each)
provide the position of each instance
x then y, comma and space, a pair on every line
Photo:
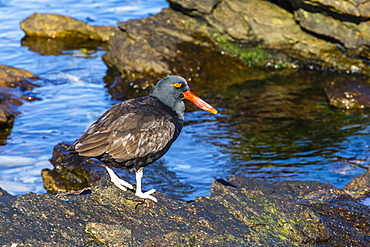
137, 132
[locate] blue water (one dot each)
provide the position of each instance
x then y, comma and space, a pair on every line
251, 135
72, 90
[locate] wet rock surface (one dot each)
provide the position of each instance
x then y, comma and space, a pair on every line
62, 179
204, 41
359, 187
15, 87
354, 94
241, 211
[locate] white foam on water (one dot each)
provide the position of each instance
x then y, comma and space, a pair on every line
16, 187
16, 170
9, 161
44, 163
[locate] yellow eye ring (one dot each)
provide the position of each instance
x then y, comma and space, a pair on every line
177, 84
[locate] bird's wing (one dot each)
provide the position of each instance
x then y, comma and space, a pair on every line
127, 132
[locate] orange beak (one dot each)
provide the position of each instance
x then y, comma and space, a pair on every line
199, 102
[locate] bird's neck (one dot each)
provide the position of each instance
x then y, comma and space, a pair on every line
179, 109
176, 106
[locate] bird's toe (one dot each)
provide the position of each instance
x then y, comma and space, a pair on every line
147, 195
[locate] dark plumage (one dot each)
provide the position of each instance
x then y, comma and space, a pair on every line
131, 134
136, 132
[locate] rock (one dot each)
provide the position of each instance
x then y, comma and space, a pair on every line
58, 26
52, 34
3, 193
63, 179
348, 94
195, 7
227, 30
357, 9
347, 33
359, 186
241, 211
14, 83
166, 43
14, 77
343, 23
273, 25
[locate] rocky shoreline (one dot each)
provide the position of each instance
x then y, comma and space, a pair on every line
240, 212
204, 41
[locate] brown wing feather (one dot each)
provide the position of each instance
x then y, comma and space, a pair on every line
128, 130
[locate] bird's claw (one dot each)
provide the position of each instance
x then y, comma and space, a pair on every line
120, 183
147, 195
123, 185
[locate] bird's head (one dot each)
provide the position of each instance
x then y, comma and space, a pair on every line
173, 89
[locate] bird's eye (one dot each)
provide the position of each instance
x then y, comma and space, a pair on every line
177, 84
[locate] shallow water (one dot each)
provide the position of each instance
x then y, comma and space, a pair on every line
279, 128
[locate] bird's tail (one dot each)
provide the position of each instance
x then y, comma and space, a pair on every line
72, 160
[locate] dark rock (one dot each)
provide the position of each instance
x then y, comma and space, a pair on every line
14, 77
3, 193
348, 94
63, 179
14, 87
359, 186
240, 212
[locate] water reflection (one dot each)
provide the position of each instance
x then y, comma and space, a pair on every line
4, 132
47, 46
273, 126
283, 127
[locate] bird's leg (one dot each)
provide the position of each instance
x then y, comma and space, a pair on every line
139, 193
120, 183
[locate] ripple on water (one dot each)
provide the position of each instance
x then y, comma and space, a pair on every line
10, 161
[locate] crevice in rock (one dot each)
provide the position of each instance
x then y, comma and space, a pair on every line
283, 4
179, 8
325, 10
192, 12
323, 37
341, 47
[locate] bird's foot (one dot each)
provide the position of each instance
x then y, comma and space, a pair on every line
120, 183
146, 195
